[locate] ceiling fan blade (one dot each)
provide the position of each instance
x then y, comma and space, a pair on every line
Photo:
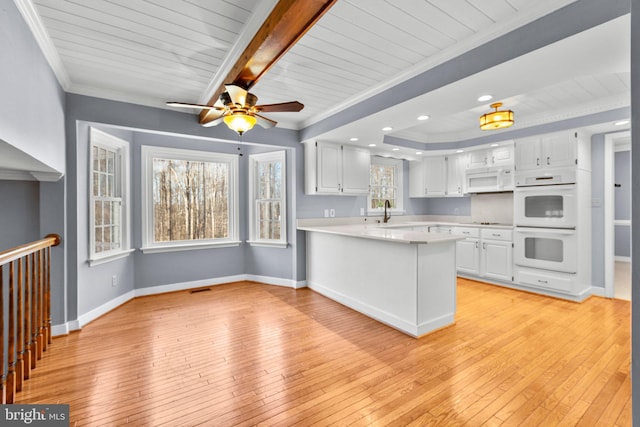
264, 122
251, 100
187, 105
237, 94
215, 122
292, 106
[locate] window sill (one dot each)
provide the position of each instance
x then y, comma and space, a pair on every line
189, 247
108, 258
282, 245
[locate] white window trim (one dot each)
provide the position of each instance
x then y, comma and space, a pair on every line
148, 153
398, 164
102, 139
254, 159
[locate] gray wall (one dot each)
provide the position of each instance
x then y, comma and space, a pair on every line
32, 101
635, 208
30, 91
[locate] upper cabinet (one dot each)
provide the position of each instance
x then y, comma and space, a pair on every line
544, 151
456, 164
428, 177
491, 157
336, 169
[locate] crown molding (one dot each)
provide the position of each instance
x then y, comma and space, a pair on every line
34, 22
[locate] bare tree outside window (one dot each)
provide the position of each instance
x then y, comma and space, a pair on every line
269, 199
383, 186
268, 194
190, 200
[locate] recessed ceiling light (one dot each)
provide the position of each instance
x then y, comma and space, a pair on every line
622, 122
395, 149
418, 152
387, 128
423, 117
484, 98
353, 139
493, 145
459, 151
372, 145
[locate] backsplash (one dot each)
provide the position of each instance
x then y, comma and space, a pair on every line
492, 207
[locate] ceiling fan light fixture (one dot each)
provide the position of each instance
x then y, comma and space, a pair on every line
240, 122
497, 119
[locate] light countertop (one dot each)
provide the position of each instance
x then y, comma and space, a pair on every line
400, 232
371, 231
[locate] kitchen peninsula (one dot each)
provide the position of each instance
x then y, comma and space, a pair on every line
397, 275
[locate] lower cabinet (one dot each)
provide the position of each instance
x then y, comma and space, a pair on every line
485, 252
553, 280
468, 250
496, 255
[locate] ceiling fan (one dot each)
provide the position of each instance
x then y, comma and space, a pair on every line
237, 108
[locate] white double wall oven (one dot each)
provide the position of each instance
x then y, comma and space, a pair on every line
552, 215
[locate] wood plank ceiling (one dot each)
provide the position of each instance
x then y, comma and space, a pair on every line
151, 51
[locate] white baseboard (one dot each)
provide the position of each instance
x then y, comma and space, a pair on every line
597, 291
83, 319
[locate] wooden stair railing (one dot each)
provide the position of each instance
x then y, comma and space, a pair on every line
26, 270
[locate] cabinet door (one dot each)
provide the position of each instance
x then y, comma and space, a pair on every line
497, 260
527, 154
467, 256
435, 176
416, 179
455, 174
329, 168
558, 149
478, 159
356, 167
502, 156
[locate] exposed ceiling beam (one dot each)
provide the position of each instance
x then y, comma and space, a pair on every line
288, 22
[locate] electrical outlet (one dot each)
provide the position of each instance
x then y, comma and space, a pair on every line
332, 213
114, 280
326, 213
361, 211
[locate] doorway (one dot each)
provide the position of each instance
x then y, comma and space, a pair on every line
618, 215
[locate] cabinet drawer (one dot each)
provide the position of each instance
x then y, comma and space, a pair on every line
497, 234
562, 282
466, 231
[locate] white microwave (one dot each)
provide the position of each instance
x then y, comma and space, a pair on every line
554, 206
489, 181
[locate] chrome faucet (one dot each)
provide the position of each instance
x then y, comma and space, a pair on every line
387, 217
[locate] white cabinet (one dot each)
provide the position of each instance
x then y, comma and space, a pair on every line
496, 256
468, 250
336, 169
428, 178
356, 167
491, 157
485, 252
456, 165
551, 150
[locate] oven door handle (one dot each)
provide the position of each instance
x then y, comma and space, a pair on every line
547, 231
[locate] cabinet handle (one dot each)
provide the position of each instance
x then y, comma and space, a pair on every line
484, 246
543, 281
548, 163
426, 191
495, 234
459, 190
466, 232
493, 159
537, 161
477, 245
486, 160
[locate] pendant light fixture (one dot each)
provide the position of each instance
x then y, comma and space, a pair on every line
240, 122
497, 119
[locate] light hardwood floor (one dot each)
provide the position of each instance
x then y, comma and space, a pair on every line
247, 354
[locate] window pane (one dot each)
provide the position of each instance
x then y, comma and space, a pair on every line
190, 200
97, 212
383, 186
98, 237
